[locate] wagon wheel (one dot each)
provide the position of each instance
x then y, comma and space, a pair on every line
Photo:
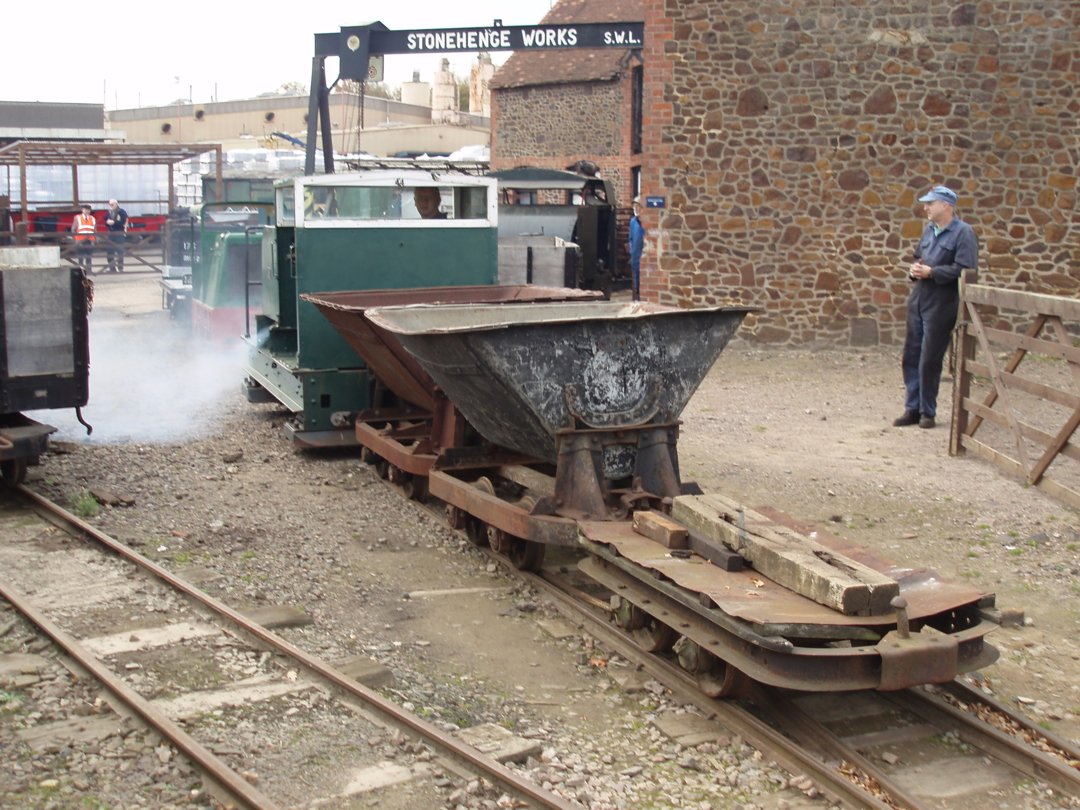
498, 540
367, 455
526, 555
649, 633
715, 677
457, 518
654, 636
476, 531
382, 468
721, 680
414, 487
13, 472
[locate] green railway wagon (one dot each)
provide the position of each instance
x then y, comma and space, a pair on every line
372, 230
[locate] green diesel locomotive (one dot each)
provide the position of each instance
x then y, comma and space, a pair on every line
373, 230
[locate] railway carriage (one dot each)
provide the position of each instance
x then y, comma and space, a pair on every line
210, 286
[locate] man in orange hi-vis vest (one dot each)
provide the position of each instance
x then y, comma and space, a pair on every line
84, 226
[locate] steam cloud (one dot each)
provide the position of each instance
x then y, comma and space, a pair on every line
151, 380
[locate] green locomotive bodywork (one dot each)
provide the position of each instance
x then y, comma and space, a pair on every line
223, 266
357, 231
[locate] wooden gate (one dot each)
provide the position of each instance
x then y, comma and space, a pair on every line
1021, 420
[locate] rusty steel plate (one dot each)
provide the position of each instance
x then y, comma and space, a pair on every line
752, 597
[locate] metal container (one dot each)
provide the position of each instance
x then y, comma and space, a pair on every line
383, 353
520, 374
44, 339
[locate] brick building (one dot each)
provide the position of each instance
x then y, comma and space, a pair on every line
551, 109
792, 140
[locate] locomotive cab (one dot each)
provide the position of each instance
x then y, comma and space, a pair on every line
371, 230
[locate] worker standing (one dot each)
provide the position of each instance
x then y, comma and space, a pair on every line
116, 221
637, 247
947, 248
84, 226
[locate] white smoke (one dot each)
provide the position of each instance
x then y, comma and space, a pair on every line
151, 380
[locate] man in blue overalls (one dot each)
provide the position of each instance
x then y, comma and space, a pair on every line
947, 248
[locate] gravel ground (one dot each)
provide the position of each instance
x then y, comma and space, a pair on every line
204, 482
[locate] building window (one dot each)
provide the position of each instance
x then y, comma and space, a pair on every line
200, 114
166, 128
637, 103
635, 181
269, 117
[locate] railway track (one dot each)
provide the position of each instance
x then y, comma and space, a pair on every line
216, 687
946, 746
927, 747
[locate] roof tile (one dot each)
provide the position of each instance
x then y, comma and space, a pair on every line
567, 65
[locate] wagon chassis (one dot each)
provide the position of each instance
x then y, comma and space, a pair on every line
579, 450
507, 502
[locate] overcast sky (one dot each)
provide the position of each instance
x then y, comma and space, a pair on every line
134, 54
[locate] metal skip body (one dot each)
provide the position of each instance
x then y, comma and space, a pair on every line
392, 365
521, 374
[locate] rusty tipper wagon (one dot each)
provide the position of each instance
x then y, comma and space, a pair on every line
573, 409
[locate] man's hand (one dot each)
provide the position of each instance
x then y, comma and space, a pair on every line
919, 270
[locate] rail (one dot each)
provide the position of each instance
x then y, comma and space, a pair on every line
239, 791
1023, 423
443, 742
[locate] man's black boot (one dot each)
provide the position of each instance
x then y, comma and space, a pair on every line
906, 418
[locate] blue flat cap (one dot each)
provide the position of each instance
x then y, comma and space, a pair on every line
942, 193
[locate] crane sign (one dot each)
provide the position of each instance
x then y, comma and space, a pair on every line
357, 46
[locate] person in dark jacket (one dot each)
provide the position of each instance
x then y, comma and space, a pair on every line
116, 223
427, 200
947, 248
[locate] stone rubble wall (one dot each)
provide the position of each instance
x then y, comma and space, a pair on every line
574, 116
791, 142
554, 126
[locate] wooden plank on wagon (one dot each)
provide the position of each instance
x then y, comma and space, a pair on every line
661, 528
787, 557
